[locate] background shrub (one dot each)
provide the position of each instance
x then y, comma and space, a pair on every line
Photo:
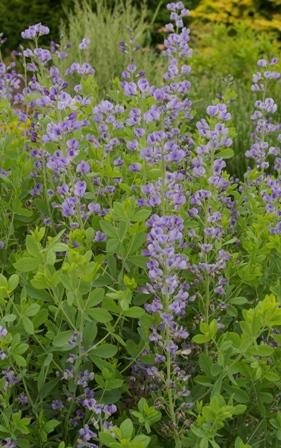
257, 14
16, 15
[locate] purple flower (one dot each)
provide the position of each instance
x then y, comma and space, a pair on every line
83, 167
139, 132
2, 244
84, 377
35, 30
94, 208
10, 443
3, 332
134, 167
100, 236
84, 44
143, 85
110, 409
62, 190
80, 188
133, 145
130, 88
57, 404
262, 63
62, 55
68, 206
87, 433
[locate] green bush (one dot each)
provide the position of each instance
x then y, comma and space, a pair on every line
234, 50
17, 15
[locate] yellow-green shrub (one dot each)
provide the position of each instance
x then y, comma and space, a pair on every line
258, 15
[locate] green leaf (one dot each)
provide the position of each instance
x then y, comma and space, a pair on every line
114, 384
20, 349
108, 229
127, 428
238, 300
19, 360
225, 154
271, 376
275, 320
239, 409
13, 282
141, 215
32, 310
125, 187
95, 297
134, 312
106, 439
239, 394
198, 432
112, 246
62, 338
216, 369
217, 386
138, 260
50, 426
204, 380
27, 264
142, 441
239, 444
41, 206
9, 318
120, 210
28, 325
89, 334
33, 247
205, 364
109, 304
261, 350
100, 315
201, 339
147, 359
104, 351
132, 348
204, 442
49, 387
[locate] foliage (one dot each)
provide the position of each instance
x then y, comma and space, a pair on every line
16, 15
258, 15
230, 50
140, 284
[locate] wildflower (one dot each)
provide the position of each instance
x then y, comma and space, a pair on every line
134, 167
22, 398
84, 44
57, 404
35, 31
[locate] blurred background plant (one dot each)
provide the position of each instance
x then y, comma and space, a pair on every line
259, 15
220, 49
17, 15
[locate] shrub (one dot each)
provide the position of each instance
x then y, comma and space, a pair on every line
16, 15
257, 15
221, 49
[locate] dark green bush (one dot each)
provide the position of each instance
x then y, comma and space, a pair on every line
17, 15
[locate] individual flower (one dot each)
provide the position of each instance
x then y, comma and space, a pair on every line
84, 44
